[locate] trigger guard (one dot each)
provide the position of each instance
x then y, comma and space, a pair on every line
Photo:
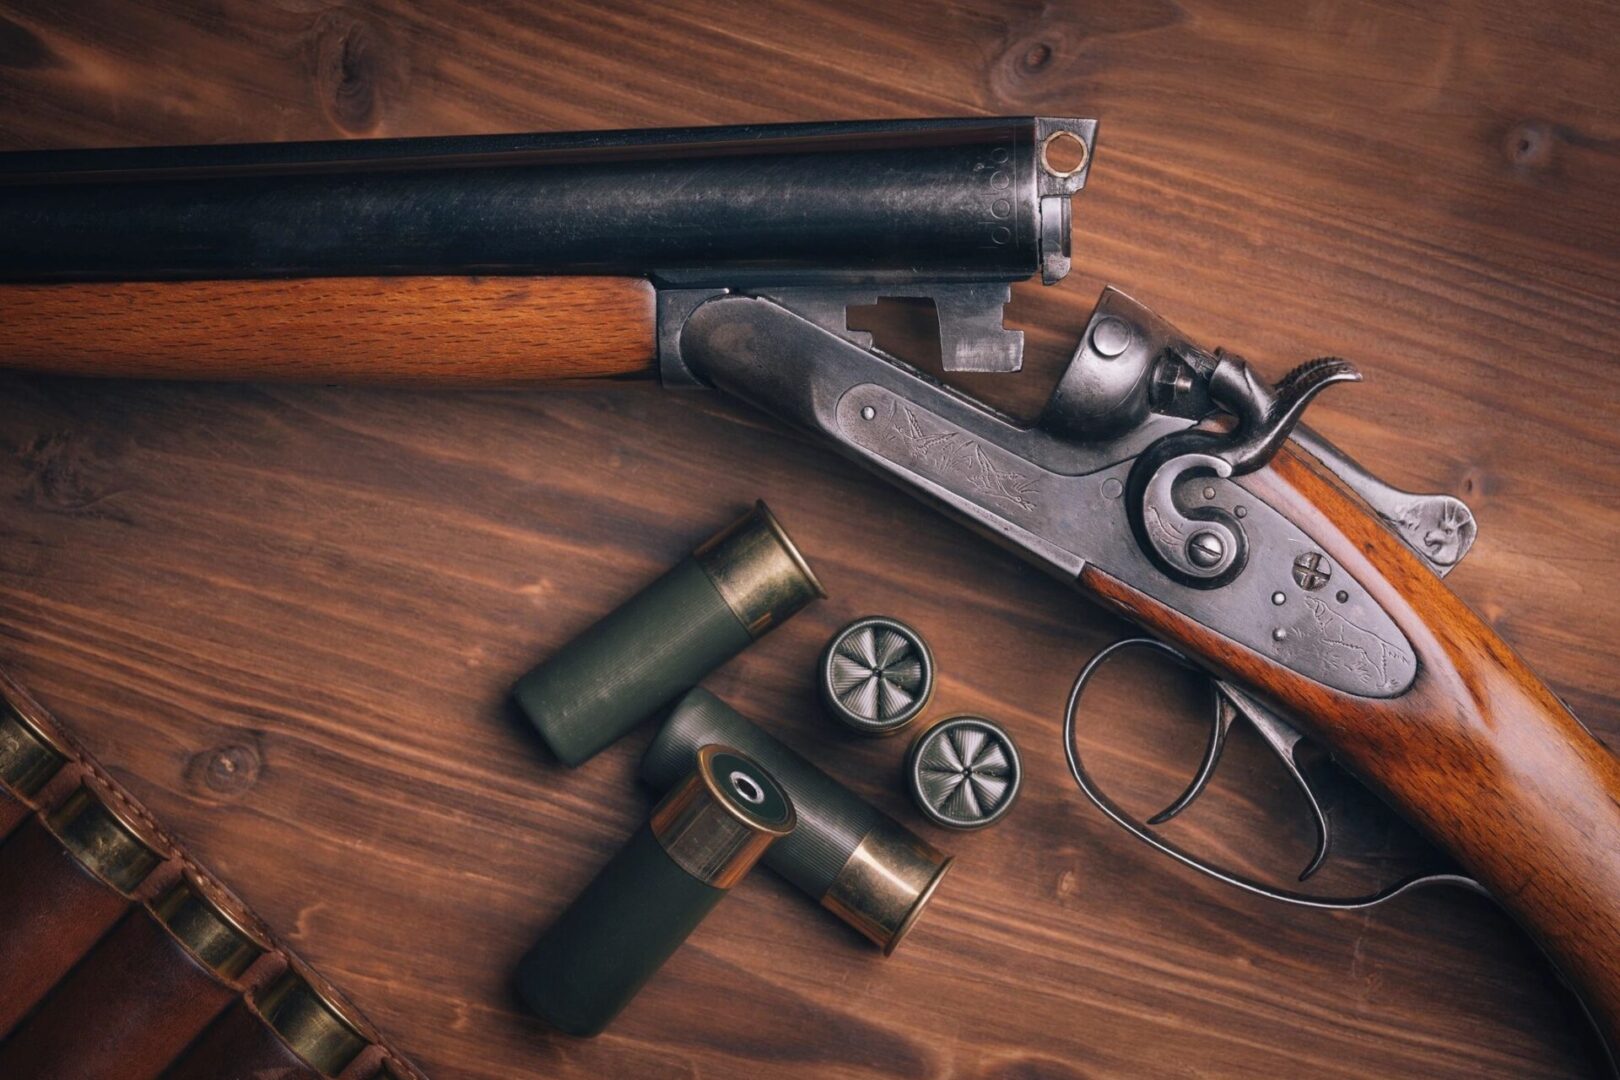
1089, 788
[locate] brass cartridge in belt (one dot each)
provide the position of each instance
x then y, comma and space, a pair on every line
53, 910
29, 758
157, 979
291, 1030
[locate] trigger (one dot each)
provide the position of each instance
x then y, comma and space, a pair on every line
1283, 739
1225, 713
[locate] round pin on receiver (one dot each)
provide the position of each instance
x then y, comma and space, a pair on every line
876, 675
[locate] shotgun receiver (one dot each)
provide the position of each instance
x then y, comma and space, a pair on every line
1168, 482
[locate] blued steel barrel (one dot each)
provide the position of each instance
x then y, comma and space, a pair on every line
920, 199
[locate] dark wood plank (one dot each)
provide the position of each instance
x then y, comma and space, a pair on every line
287, 617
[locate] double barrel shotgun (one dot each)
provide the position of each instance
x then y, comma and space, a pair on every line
1169, 483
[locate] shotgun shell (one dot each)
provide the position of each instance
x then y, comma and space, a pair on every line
732, 590
701, 840
114, 845
28, 759
964, 773
875, 675
168, 973
53, 909
856, 861
212, 928
315, 1027
290, 1030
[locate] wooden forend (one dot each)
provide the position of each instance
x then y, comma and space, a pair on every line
463, 331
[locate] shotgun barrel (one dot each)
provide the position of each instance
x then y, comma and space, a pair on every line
849, 202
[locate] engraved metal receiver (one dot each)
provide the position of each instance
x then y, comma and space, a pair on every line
1137, 466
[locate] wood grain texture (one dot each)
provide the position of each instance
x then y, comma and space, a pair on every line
287, 617
404, 331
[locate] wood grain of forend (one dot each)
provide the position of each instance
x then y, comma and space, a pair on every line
466, 331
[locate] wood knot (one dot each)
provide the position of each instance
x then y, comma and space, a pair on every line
357, 72
1025, 65
63, 474
1529, 145
1036, 57
225, 771
1060, 52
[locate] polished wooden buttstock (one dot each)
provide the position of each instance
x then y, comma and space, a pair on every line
447, 331
1478, 753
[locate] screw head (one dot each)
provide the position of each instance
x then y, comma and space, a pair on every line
1312, 571
1110, 337
1205, 549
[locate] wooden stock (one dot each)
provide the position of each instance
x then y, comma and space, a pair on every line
452, 331
1478, 753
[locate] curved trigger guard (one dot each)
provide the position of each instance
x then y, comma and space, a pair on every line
1238, 701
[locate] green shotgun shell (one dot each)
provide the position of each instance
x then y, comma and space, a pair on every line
856, 861
701, 840
729, 592
875, 675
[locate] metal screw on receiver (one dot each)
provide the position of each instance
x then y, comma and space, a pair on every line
1205, 549
876, 675
964, 773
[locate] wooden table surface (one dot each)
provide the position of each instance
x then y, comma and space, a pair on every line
287, 617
